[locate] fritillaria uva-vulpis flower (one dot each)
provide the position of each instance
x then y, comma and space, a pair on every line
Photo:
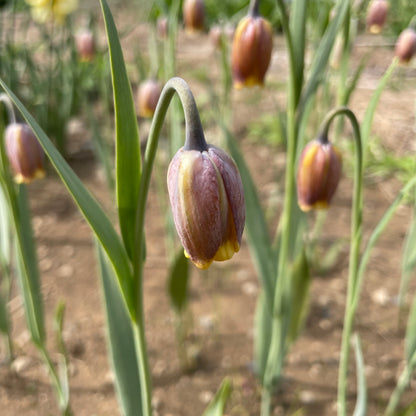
194, 15
377, 15
24, 153
251, 49
207, 199
147, 97
319, 172
406, 45
84, 41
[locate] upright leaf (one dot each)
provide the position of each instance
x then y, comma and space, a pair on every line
128, 162
217, 405
361, 403
256, 225
89, 207
120, 340
178, 282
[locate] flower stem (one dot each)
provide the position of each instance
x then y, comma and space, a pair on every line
356, 236
195, 140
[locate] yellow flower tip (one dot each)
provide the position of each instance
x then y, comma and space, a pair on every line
248, 83
201, 264
38, 174
375, 29
227, 250
316, 205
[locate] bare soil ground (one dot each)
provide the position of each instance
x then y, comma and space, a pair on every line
222, 298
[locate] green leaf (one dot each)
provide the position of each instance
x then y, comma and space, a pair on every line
178, 282
217, 405
372, 105
410, 340
128, 159
298, 31
361, 403
262, 335
256, 226
300, 281
408, 258
28, 272
321, 57
89, 207
120, 340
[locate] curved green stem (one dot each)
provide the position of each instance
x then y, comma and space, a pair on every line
4, 98
194, 140
356, 236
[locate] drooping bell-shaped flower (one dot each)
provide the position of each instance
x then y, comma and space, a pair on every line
85, 44
24, 152
318, 175
207, 199
194, 15
251, 50
147, 97
406, 45
377, 15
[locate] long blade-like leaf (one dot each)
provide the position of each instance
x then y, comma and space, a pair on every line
120, 341
92, 211
178, 282
256, 225
217, 405
361, 404
128, 162
319, 64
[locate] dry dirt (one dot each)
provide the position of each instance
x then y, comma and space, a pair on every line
222, 299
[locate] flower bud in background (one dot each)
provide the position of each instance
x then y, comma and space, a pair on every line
406, 45
85, 44
319, 172
377, 15
251, 51
207, 199
162, 27
24, 152
147, 97
194, 15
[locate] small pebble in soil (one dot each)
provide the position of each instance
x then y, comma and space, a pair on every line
20, 364
381, 297
205, 396
307, 397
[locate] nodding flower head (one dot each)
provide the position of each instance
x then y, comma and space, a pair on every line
207, 199
194, 15
85, 45
406, 45
377, 15
147, 97
251, 51
318, 175
24, 152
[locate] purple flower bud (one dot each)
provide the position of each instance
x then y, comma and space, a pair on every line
406, 45
319, 172
147, 97
24, 152
377, 15
194, 15
251, 51
207, 199
85, 45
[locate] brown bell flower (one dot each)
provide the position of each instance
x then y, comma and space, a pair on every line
24, 153
251, 50
85, 44
319, 172
377, 15
194, 15
207, 200
147, 97
406, 45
